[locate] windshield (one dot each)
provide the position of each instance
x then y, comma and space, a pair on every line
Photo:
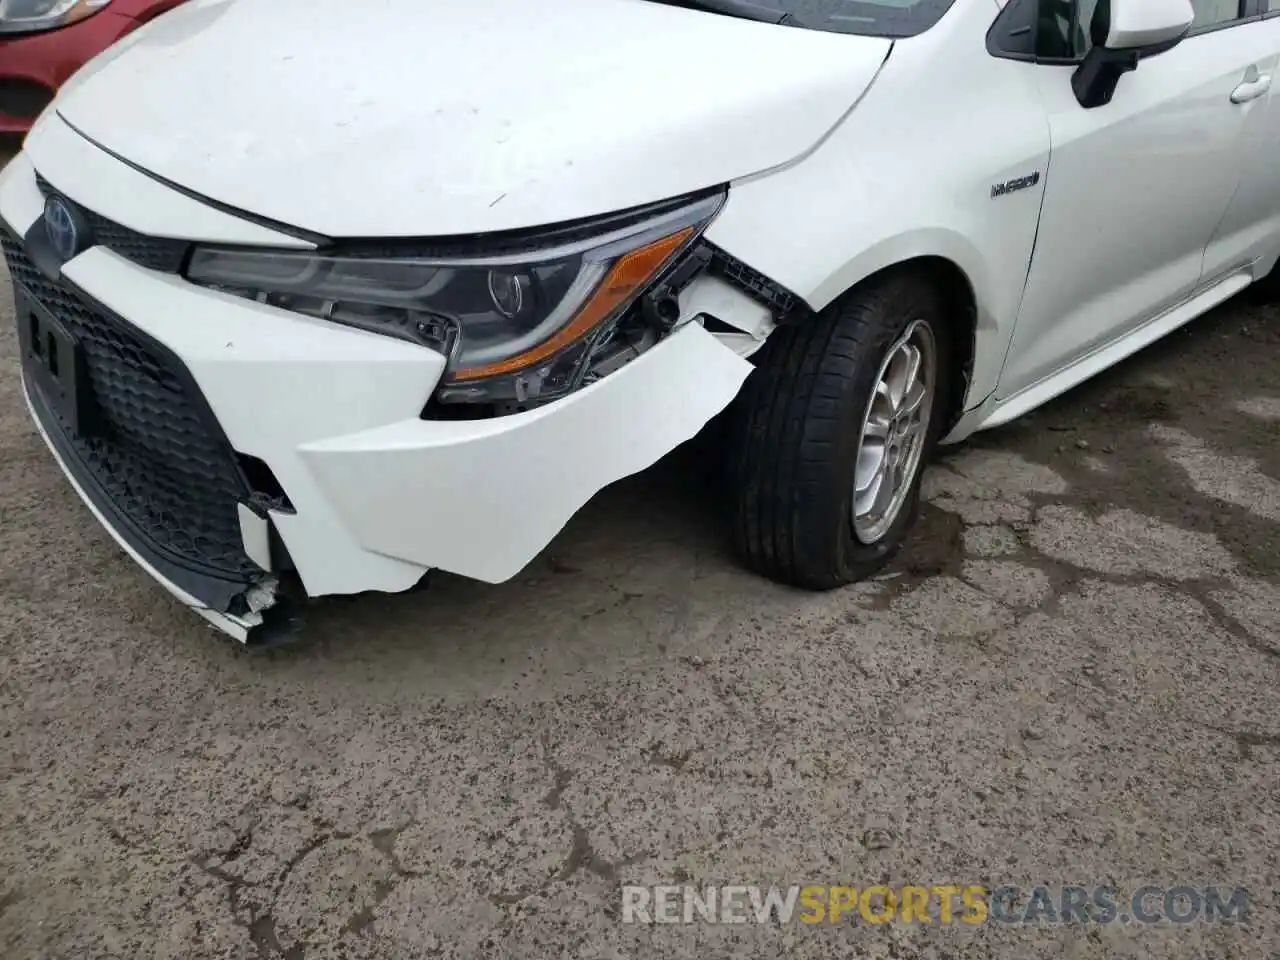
876, 18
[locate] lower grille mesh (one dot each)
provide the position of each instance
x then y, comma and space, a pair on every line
155, 452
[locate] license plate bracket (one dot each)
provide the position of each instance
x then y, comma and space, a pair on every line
53, 361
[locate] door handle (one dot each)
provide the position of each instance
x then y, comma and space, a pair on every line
1251, 89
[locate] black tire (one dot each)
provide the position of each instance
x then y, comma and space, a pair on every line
793, 433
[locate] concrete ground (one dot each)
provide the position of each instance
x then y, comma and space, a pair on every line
1073, 676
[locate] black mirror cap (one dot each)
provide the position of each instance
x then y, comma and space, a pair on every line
1095, 80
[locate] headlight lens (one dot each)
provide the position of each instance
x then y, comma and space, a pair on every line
512, 326
25, 16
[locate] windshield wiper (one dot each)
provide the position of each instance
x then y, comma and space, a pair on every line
743, 9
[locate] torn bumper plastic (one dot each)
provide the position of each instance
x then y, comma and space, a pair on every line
246, 627
481, 498
376, 495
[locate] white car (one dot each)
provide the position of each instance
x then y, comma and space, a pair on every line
328, 295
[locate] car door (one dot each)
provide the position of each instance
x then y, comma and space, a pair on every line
1136, 189
1250, 231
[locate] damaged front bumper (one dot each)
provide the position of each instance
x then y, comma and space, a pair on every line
361, 493
247, 627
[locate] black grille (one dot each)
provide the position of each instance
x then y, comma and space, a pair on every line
155, 253
155, 452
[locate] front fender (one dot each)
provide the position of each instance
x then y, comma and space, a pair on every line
911, 173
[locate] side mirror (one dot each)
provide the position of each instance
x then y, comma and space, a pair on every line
1123, 32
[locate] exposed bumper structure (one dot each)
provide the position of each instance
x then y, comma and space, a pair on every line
242, 628
374, 495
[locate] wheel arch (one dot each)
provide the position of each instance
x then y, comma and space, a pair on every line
952, 279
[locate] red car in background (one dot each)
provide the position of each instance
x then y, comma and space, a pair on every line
43, 42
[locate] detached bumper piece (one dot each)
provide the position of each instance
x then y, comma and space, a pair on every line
142, 446
234, 448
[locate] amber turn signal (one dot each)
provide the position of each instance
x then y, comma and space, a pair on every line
624, 279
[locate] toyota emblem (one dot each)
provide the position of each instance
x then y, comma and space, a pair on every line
60, 222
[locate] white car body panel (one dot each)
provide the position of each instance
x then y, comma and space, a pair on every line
1000, 411
468, 486
878, 191
1150, 22
1082, 234
20, 199
1251, 225
575, 119
1117, 207
134, 199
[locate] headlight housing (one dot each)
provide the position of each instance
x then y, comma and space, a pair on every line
514, 326
31, 16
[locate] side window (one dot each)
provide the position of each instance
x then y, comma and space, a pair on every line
1213, 13
1058, 32
1084, 34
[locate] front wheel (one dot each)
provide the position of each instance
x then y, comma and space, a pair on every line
829, 437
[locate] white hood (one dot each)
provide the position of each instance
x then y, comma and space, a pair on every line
381, 118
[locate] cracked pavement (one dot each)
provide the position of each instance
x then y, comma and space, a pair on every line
1072, 676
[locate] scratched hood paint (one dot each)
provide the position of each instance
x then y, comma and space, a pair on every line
438, 117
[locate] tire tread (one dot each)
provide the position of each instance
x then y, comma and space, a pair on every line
786, 429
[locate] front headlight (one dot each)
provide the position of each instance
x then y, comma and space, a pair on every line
515, 326
29, 16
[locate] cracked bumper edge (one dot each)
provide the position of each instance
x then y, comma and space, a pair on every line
244, 629
483, 498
